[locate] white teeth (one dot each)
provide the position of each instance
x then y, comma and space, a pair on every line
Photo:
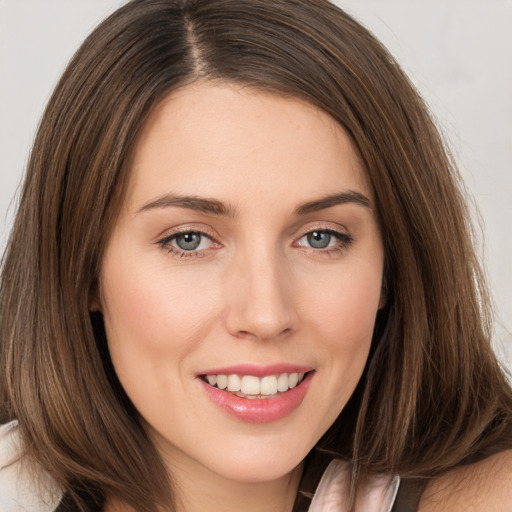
234, 383
293, 379
252, 387
269, 385
282, 382
222, 381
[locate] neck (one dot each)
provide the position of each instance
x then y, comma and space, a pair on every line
202, 491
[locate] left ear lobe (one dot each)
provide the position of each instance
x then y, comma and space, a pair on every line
94, 307
94, 301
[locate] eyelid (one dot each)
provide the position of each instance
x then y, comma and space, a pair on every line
165, 239
187, 228
323, 226
344, 237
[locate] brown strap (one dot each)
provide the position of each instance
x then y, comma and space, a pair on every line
314, 467
407, 498
409, 494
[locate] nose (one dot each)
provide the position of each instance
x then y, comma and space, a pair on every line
260, 304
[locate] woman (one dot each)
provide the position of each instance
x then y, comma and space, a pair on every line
241, 263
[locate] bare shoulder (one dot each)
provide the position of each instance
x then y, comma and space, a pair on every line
479, 487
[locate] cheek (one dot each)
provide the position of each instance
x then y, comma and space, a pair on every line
341, 319
343, 305
154, 320
150, 306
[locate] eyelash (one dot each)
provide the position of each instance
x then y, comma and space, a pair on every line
165, 244
344, 242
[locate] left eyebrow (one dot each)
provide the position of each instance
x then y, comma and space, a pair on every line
333, 200
201, 204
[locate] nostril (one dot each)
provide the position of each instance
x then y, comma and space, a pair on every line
260, 333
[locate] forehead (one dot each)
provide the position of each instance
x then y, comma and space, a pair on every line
234, 142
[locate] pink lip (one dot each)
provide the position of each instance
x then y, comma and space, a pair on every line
258, 410
258, 371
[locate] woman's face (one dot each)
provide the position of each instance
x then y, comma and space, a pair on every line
248, 248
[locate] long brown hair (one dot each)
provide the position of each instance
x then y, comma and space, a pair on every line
432, 395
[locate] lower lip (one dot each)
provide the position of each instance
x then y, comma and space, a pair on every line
259, 410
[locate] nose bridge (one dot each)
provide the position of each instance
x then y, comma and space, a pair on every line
261, 304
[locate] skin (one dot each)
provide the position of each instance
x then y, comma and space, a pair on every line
479, 487
255, 291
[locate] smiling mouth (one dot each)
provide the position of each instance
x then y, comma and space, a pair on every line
252, 387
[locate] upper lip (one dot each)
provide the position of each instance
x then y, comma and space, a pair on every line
257, 370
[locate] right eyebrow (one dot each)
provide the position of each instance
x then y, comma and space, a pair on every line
349, 196
204, 205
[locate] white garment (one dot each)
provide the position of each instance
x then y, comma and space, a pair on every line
375, 494
22, 490
24, 487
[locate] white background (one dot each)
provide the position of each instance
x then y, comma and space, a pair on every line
457, 52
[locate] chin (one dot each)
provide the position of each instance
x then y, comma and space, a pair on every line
259, 462
254, 472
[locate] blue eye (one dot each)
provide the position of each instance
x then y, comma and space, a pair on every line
188, 241
325, 240
319, 239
